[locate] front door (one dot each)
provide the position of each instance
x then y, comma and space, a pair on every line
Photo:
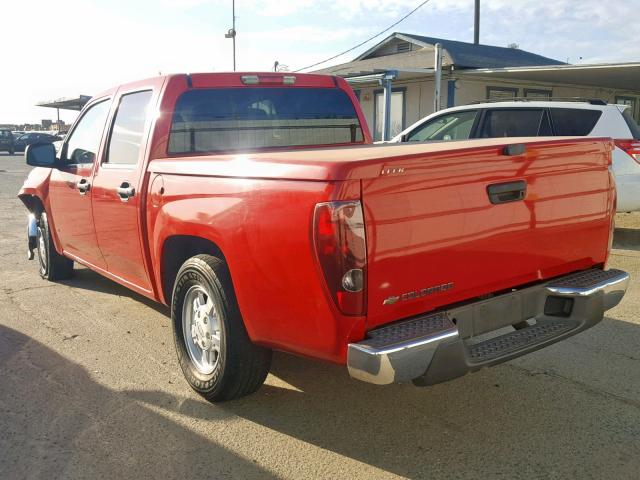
70, 189
116, 190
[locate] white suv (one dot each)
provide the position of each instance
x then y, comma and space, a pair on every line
543, 118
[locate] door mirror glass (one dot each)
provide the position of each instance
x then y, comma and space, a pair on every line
41, 155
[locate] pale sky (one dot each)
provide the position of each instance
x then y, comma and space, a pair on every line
64, 48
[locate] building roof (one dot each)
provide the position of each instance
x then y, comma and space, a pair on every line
76, 103
470, 55
460, 55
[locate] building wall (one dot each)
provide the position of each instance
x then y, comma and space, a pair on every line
419, 94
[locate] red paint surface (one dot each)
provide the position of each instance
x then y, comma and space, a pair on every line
429, 224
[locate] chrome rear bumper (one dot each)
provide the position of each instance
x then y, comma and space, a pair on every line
441, 346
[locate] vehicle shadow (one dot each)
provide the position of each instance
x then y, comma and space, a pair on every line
57, 422
87, 279
511, 421
627, 238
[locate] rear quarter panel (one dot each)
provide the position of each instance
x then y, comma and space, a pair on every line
263, 228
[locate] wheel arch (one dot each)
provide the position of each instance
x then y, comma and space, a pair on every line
177, 249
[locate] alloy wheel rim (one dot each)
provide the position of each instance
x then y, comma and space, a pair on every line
42, 251
201, 329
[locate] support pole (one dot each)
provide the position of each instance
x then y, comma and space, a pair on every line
437, 77
386, 82
386, 111
476, 23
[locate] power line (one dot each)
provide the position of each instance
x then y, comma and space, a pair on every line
368, 39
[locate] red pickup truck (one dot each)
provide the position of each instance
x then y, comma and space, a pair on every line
256, 207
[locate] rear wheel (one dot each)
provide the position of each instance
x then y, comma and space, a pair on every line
214, 351
52, 265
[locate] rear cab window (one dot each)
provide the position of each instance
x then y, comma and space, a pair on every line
573, 122
227, 119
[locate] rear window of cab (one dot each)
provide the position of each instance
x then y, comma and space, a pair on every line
227, 119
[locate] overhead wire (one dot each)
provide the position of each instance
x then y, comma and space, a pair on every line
367, 40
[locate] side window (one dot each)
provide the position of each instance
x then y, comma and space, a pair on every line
574, 122
84, 141
455, 126
511, 123
128, 128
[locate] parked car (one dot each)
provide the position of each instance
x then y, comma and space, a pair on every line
6, 141
20, 144
255, 207
544, 118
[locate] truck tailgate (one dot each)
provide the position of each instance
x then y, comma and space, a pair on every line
434, 237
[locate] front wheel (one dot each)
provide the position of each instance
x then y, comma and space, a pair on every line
52, 265
214, 351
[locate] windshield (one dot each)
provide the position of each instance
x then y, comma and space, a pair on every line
214, 120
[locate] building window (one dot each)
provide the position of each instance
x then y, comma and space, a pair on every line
501, 93
403, 47
632, 102
536, 94
397, 113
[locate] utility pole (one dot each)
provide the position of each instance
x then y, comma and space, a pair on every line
476, 24
232, 32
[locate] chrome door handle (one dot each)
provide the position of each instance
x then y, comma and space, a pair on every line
126, 191
83, 186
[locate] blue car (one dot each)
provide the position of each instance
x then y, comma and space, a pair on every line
20, 144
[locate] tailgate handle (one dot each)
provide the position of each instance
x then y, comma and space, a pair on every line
507, 192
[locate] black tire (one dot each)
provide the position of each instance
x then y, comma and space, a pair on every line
51, 265
241, 366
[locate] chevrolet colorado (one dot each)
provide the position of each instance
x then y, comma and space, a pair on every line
255, 206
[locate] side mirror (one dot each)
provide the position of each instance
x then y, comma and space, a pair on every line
41, 155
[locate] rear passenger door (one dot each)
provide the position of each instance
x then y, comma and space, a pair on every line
514, 122
118, 183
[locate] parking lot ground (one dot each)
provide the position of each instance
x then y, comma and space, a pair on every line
90, 388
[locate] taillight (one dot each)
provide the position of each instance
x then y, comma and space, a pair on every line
631, 148
338, 229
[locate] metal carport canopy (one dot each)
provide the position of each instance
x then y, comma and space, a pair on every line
622, 76
75, 103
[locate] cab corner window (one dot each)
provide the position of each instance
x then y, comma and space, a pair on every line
84, 142
455, 126
128, 128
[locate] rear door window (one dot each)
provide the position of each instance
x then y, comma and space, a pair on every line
222, 119
568, 122
454, 126
128, 128
512, 123
631, 123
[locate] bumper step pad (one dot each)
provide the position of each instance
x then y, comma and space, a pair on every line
587, 279
497, 347
410, 331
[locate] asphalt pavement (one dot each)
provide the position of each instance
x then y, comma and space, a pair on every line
90, 388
